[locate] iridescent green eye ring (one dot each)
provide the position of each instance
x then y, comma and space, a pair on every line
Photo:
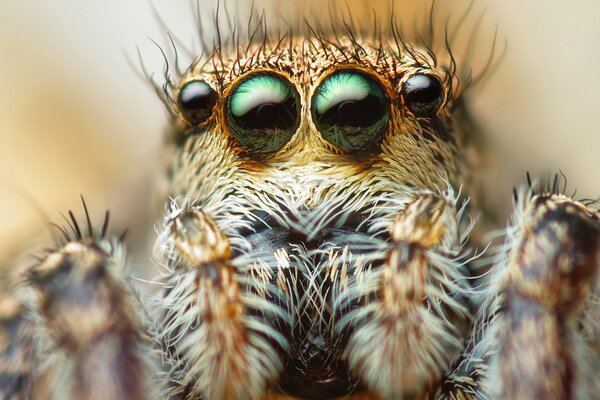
263, 112
351, 110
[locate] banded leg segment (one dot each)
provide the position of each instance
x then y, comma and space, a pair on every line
534, 338
410, 315
551, 273
16, 350
90, 342
214, 326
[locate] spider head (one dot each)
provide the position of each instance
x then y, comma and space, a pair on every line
312, 160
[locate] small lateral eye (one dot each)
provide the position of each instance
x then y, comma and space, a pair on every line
263, 112
196, 100
351, 110
423, 95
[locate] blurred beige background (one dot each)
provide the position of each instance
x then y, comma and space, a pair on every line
75, 119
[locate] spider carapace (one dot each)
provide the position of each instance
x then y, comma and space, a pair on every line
316, 245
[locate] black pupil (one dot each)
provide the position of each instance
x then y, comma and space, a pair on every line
355, 113
423, 94
270, 116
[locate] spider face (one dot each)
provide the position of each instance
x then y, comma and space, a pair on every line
314, 247
303, 158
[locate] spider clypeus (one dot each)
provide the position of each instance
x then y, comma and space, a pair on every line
316, 245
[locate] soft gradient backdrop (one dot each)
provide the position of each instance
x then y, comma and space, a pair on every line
75, 119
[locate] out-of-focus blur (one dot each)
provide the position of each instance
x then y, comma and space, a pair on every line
75, 119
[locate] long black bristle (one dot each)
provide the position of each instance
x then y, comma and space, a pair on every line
87, 218
105, 224
75, 225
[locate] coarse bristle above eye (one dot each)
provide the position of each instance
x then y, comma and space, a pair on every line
441, 37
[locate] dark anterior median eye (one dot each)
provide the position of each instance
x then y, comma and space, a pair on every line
196, 101
263, 113
423, 94
351, 110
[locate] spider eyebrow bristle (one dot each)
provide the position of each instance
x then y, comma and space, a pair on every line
460, 21
431, 33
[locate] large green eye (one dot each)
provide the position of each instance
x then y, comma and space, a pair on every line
351, 111
263, 113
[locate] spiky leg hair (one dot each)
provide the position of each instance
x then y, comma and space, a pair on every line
410, 316
213, 314
16, 346
77, 325
537, 334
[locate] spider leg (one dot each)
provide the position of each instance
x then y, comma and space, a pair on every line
213, 325
551, 273
410, 316
537, 335
16, 348
88, 340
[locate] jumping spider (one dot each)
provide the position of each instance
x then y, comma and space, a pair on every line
315, 245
